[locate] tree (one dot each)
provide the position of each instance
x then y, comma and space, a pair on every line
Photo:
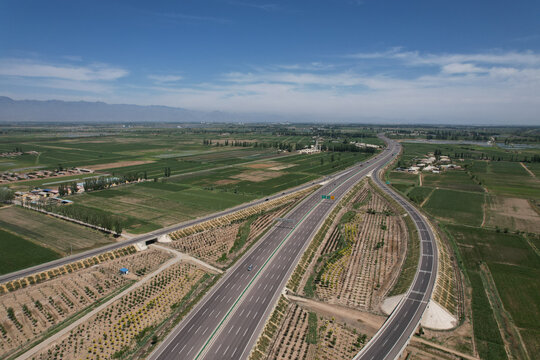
6, 194
118, 227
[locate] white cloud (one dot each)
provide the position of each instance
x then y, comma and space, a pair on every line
526, 58
460, 68
28, 68
165, 78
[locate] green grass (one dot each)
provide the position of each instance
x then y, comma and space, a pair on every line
311, 336
419, 194
486, 331
453, 180
512, 280
242, 236
17, 253
482, 245
456, 206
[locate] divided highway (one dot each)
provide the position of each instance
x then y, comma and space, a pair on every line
226, 323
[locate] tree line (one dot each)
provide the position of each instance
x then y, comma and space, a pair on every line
105, 182
84, 214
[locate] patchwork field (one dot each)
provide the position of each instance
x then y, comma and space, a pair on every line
489, 204
150, 205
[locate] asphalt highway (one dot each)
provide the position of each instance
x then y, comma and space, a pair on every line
226, 323
389, 342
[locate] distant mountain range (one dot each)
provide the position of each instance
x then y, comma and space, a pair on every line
14, 111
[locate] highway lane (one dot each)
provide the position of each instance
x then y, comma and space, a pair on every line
390, 341
226, 322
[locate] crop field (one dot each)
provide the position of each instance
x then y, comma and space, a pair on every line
129, 320
17, 253
454, 180
512, 280
513, 264
534, 168
145, 207
50, 232
456, 206
29, 313
508, 179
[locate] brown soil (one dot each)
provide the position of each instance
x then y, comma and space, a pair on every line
281, 167
264, 165
514, 213
226, 182
258, 175
366, 322
118, 164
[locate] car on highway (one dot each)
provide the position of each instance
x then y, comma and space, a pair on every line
250, 267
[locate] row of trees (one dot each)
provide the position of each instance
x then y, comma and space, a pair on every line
105, 182
84, 214
229, 143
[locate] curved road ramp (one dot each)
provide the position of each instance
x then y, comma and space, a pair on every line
392, 338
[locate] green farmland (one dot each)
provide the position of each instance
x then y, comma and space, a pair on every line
151, 205
17, 253
456, 206
484, 210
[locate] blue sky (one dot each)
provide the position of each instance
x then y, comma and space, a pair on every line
341, 60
